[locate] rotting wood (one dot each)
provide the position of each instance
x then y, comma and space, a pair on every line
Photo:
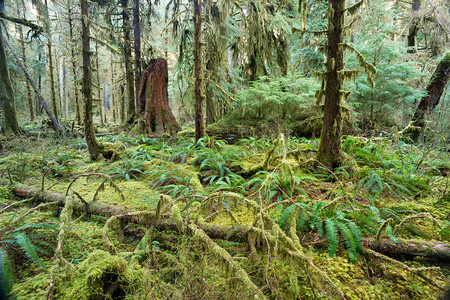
437, 250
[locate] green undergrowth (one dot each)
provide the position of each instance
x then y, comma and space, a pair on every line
310, 216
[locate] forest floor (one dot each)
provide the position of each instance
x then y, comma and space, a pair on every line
139, 225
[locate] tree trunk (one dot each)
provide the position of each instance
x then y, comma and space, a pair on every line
239, 234
100, 105
131, 108
330, 151
93, 146
113, 99
413, 27
435, 89
154, 111
200, 130
9, 122
74, 68
24, 57
50, 65
137, 49
40, 98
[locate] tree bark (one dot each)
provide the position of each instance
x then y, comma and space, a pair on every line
9, 122
154, 111
100, 104
55, 123
131, 108
330, 150
50, 65
437, 250
137, 48
413, 27
24, 57
435, 89
200, 128
92, 143
78, 112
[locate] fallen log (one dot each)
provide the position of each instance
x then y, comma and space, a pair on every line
439, 250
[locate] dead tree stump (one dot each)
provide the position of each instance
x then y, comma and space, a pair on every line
155, 115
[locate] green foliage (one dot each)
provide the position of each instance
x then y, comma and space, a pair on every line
280, 97
60, 163
127, 168
29, 242
393, 97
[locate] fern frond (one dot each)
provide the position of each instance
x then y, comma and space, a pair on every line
349, 240
5, 271
287, 215
29, 249
332, 235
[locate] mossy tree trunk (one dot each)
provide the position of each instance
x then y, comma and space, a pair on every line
129, 76
7, 102
137, 46
24, 57
413, 27
154, 112
200, 128
74, 60
330, 150
435, 89
50, 65
93, 146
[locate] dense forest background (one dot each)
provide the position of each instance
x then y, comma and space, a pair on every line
169, 149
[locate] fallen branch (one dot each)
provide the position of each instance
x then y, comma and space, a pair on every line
438, 250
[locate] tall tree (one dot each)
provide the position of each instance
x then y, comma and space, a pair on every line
330, 149
24, 57
46, 19
435, 89
137, 47
200, 128
129, 76
74, 61
92, 143
7, 102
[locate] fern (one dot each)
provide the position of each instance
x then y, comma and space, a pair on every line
28, 248
349, 240
287, 215
5, 271
332, 235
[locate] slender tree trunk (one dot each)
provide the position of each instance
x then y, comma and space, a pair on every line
137, 48
413, 27
98, 85
93, 146
122, 104
113, 100
60, 75
41, 99
9, 122
74, 59
66, 92
131, 108
330, 150
198, 72
24, 57
435, 89
52, 77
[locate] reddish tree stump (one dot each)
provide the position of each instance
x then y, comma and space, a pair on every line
155, 115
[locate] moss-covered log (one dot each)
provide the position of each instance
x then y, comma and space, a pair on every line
410, 248
226, 232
